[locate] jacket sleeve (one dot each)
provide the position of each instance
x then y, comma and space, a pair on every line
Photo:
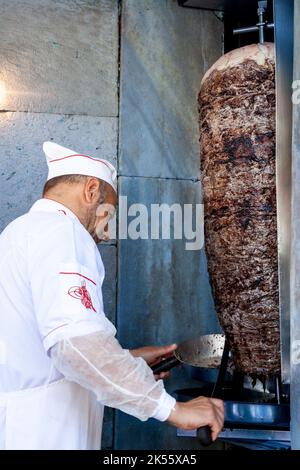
97, 362
66, 284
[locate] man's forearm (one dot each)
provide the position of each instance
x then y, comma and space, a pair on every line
98, 363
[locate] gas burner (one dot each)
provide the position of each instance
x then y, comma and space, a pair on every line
255, 417
253, 421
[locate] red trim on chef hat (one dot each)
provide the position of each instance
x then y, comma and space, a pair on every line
63, 161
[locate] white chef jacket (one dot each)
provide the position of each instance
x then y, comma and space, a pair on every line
50, 288
51, 275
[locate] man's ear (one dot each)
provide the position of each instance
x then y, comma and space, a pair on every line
91, 189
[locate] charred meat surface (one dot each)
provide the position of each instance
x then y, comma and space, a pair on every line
237, 140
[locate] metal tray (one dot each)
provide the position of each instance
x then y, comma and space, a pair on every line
248, 413
256, 414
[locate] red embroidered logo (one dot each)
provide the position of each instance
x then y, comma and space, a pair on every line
82, 293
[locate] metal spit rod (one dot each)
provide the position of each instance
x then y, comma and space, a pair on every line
260, 26
251, 29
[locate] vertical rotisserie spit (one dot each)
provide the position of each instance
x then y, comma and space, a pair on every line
237, 138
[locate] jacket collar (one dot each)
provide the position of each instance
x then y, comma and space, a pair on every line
49, 205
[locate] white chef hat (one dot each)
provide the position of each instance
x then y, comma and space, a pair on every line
63, 161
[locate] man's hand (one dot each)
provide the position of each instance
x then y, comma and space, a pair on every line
199, 412
154, 354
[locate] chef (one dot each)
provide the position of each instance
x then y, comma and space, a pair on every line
60, 361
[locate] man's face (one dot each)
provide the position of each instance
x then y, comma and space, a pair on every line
105, 211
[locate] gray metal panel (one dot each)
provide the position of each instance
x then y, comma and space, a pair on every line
256, 434
165, 52
164, 292
249, 434
283, 15
295, 250
206, 4
109, 258
164, 296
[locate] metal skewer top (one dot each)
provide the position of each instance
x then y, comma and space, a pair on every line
260, 26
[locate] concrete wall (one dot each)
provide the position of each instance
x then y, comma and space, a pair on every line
59, 63
60, 66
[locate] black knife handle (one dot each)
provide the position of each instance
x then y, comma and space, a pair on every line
165, 365
204, 436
